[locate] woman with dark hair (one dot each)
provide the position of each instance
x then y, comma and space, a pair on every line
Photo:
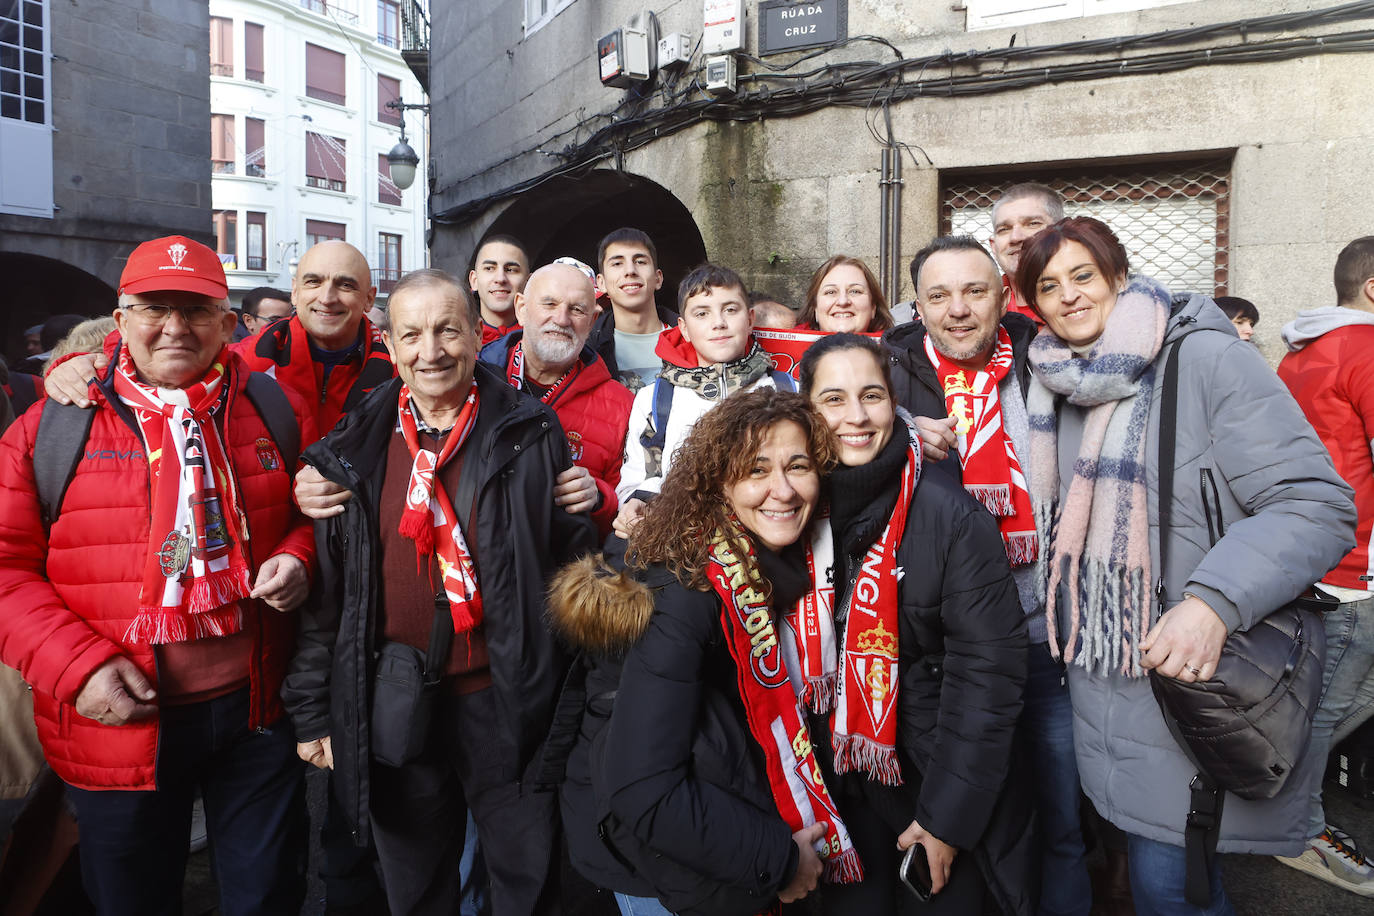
909, 648
844, 295
703, 790
1257, 515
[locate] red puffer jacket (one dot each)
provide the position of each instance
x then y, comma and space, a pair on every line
594, 410
67, 597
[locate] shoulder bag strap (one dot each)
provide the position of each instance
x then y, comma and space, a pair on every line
57, 445
1205, 799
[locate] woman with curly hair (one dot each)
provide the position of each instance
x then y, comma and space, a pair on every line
844, 295
704, 782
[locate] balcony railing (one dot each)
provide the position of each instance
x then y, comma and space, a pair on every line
326, 184
222, 166
384, 278
333, 9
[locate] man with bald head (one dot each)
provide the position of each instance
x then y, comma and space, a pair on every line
548, 358
437, 568
327, 352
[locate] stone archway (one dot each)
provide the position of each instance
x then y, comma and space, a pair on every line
569, 216
36, 288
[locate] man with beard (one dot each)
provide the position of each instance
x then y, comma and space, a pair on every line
965, 360
548, 358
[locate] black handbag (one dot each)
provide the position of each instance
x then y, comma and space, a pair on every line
1247, 728
403, 689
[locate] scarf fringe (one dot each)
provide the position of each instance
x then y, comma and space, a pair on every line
156, 626
419, 527
843, 869
996, 498
818, 693
862, 754
217, 588
1022, 549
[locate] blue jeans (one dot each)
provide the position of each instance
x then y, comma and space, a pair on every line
1347, 686
1048, 723
134, 845
640, 906
1158, 872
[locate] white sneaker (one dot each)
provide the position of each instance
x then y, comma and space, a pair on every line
1334, 858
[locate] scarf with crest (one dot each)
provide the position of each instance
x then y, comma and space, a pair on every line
1097, 539
428, 518
774, 714
196, 571
992, 473
855, 682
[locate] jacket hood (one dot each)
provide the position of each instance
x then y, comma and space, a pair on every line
597, 610
674, 349
1196, 312
1313, 323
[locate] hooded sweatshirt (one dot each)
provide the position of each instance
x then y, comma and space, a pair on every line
1330, 371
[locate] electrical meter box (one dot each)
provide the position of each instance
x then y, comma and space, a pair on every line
720, 74
610, 55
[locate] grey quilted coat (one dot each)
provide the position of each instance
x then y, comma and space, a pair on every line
1244, 446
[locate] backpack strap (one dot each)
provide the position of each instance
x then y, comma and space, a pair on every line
62, 433
272, 405
658, 414
783, 381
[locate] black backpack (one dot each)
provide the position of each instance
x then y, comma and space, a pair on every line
63, 429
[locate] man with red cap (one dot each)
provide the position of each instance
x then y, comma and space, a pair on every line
149, 614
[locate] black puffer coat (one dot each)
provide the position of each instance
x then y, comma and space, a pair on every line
915, 386
514, 452
962, 646
668, 796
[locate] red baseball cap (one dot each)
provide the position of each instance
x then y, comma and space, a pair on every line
174, 262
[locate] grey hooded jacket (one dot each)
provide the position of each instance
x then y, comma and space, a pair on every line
1243, 446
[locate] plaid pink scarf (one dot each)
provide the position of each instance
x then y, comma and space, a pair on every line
1096, 544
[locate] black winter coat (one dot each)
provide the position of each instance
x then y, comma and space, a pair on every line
514, 452
963, 660
915, 387
680, 769
602, 336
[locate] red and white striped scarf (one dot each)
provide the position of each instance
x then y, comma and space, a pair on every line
196, 571
992, 472
775, 717
428, 518
862, 703
515, 373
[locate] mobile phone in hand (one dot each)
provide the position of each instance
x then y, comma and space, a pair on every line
914, 872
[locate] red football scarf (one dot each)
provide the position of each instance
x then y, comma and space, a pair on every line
428, 518
195, 573
515, 373
863, 719
992, 472
775, 717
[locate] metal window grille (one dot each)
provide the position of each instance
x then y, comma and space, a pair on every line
23, 77
1173, 217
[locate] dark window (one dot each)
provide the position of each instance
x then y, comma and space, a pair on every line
227, 237
324, 74
221, 46
23, 90
387, 192
255, 241
317, 230
252, 52
389, 259
389, 23
388, 90
222, 144
254, 149
326, 161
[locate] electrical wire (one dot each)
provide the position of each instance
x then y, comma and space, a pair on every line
780, 94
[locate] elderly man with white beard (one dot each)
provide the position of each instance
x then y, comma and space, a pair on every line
548, 358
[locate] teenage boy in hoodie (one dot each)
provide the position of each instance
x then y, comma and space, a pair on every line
1330, 371
710, 355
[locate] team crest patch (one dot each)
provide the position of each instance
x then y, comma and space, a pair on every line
267, 455
575, 444
174, 554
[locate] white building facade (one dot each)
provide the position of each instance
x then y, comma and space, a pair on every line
299, 136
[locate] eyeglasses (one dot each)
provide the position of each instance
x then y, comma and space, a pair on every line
197, 316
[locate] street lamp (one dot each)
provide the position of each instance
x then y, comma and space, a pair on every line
402, 158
